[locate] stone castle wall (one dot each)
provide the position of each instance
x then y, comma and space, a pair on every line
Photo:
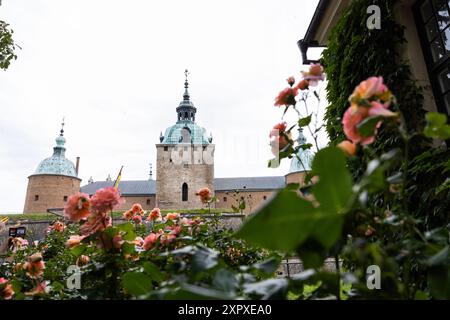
147, 202
49, 191
253, 199
179, 164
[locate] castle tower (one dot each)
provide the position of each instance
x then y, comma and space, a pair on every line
301, 163
54, 180
185, 160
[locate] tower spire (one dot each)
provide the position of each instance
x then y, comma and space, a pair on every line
186, 86
62, 127
186, 110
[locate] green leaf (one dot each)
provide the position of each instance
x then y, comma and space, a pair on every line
303, 122
439, 282
367, 127
78, 250
268, 266
128, 248
437, 126
268, 289
334, 188
153, 271
137, 283
204, 259
440, 258
225, 280
126, 227
282, 224
193, 292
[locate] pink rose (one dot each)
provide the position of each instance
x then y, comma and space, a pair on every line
150, 241
106, 199
77, 207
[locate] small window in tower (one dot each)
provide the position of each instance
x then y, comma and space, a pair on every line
36, 198
65, 198
185, 165
184, 192
186, 135
265, 197
224, 199
170, 160
148, 202
166, 148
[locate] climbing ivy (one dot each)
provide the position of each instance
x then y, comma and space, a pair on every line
355, 53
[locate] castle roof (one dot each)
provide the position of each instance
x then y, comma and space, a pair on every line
126, 188
176, 133
148, 187
57, 164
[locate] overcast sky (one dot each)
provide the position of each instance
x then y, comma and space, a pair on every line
114, 70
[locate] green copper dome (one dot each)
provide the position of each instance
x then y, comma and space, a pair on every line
185, 130
303, 160
57, 164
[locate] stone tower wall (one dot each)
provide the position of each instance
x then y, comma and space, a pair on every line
50, 190
183, 163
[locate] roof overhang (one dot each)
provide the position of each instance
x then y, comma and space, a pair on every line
324, 19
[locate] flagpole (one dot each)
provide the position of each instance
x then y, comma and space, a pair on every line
116, 186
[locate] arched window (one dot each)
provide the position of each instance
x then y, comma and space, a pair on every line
184, 192
186, 135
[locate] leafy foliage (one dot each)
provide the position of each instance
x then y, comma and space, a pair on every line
7, 46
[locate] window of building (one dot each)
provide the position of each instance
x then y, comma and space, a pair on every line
184, 192
166, 148
65, 198
224, 199
186, 135
265, 198
36, 198
433, 25
148, 202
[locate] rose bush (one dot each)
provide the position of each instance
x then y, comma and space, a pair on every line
151, 257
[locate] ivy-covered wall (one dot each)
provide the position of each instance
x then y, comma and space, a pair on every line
355, 53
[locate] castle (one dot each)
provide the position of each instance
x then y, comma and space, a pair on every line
185, 164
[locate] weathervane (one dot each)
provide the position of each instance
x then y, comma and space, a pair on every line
62, 127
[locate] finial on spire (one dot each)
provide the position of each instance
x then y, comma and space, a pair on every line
62, 127
186, 73
186, 86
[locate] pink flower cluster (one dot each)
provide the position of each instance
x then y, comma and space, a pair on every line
170, 233
370, 98
280, 139
205, 195
309, 78
93, 211
6, 289
135, 213
154, 215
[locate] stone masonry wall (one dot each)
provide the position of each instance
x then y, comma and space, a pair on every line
183, 163
253, 199
48, 191
147, 202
